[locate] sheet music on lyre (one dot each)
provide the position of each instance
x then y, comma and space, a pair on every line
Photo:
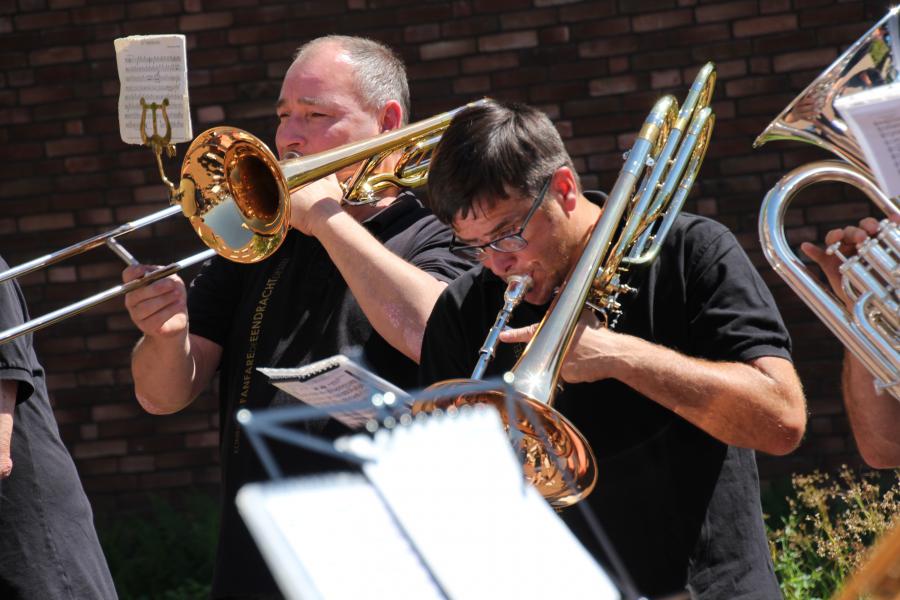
153, 68
874, 118
442, 511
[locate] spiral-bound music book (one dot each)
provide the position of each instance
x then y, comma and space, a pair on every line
440, 511
333, 381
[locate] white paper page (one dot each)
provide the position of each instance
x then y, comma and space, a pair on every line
153, 67
874, 118
457, 487
333, 381
332, 537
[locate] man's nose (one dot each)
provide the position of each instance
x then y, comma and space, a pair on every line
501, 263
293, 135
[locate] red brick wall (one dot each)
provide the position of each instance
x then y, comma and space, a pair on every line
594, 67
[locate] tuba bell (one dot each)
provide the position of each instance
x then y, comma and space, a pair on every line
236, 195
650, 190
871, 279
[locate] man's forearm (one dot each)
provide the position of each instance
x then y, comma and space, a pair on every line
395, 296
8, 390
164, 372
874, 416
757, 405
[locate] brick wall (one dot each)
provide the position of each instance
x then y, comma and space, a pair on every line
594, 67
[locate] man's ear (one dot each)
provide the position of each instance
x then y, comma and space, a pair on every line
565, 188
391, 116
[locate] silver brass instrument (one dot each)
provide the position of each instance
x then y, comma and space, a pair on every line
651, 188
516, 288
871, 279
236, 195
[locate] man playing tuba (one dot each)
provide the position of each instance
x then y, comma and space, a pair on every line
874, 415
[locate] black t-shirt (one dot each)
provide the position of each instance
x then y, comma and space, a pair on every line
289, 310
679, 506
48, 545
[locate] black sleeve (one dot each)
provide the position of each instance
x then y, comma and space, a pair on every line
731, 313
431, 251
444, 346
17, 360
212, 299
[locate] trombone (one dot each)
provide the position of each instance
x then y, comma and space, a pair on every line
654, 182
236, 195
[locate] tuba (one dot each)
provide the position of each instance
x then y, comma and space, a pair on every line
236, 195
649, 192
871, 279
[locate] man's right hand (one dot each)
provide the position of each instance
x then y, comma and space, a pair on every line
158, 309
848, 237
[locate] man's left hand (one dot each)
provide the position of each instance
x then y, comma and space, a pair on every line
593, 355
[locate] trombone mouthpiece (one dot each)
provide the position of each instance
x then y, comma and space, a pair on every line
516, 287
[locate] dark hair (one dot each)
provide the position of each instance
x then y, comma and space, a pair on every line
488, 150
380, 74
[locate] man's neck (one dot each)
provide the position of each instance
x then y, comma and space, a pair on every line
362, 212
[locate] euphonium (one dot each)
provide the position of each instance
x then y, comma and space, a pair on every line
871, 279
651, 188
236, 195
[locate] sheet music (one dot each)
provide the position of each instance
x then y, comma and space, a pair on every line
444, 513
333, 381
153, 67
457, 488
874, 119
332, 537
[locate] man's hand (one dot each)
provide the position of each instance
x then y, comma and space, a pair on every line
848, 237
158, 309
592, 355
315, 203
8, 389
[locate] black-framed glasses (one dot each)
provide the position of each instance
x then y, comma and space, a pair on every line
511, 242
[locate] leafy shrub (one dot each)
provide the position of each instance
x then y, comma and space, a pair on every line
165, 553
829, 524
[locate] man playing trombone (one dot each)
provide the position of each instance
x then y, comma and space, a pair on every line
874, 415
694, 377
360, 276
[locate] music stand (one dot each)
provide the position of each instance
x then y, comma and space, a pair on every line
439, 510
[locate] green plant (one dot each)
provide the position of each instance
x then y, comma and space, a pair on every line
828, 525
165, 553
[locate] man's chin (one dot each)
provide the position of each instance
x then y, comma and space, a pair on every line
538, 297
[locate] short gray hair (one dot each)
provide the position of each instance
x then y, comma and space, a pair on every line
380, 74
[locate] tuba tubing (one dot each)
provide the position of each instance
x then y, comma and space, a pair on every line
870, 278
852, 328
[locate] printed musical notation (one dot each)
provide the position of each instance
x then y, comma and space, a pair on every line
153, 88
874, 119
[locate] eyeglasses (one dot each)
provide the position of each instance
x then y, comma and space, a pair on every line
511, 242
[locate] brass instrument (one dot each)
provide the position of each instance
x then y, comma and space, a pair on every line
516, 288
652, 186
871, 279
236, 195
